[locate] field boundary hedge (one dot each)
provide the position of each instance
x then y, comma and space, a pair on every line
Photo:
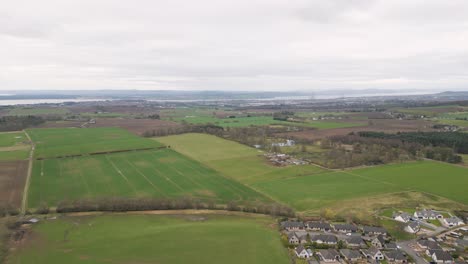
100, 153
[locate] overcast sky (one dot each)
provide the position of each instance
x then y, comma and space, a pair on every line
283, 45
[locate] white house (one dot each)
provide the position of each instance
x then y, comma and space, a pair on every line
453, 221
412, 228
373, 253
440, 256
427, 214
302, 252
402, 217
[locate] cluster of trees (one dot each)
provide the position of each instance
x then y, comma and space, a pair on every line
185, 128
15, 123
283, 115
456, 140
142, 204
6, 209
353, 150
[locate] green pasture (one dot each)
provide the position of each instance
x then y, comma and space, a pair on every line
9, 139
153, 239
316, 191
428, 110
55, 142
234, 160
161, 173
13, 146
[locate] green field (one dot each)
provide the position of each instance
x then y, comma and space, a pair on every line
315, 191
308, 188
161, 173
153, 239
56, 142
232, 159
9, 139
24, 111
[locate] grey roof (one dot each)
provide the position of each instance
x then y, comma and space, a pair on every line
319, 225
351, 253
374, 229
431, 245
442, 255
350, 227
299, 249
390, 245
291, 235
453, 220
328, 253
414, 225
426, 214
355, 240
381, 239
371, 251
325, 238
288, 224
403, 215
395, 255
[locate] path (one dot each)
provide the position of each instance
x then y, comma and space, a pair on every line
24, 202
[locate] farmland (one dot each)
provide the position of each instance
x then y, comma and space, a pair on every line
24, 111
153, 239
313, 192
232, 159
13, 146
12, 179
57, 142
308, 188
161, 173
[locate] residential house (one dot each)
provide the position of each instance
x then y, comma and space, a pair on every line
390, 246
378, 241
351, 255
319, 226
293, 238
440, 256
412, 227
427, 214
355, 241
345, 228
293, 226
324, 239
302, 252
428, 245
328, 255
396, 256
402, 217
303, 238
373, 253
453, 221
373, 230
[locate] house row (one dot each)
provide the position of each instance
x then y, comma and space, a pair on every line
326, 227
434, 251
352, 255
295, 238
425, 215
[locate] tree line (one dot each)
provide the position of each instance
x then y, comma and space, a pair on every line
15, 123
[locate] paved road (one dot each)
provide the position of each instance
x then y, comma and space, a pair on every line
405, 246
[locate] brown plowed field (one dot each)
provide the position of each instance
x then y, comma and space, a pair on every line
12, 179
377, 125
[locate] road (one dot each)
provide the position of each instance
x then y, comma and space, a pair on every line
405, 246
24, 202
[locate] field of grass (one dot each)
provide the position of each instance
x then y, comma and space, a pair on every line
154, 239
13, 146
24, 111
9, 139
316, 191
56, 142
161, 173
455, 122
234, 160
429, 110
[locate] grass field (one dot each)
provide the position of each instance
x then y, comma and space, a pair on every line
9, 139
55, 142
13, 146
154, 239
23, 111
161, 173
232, 159
316, 191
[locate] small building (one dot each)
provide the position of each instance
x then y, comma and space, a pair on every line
355, 242
324, 239
318, 226
345, 228
373, 253
402, 217
427, 214
378, 241
351, 255
293, 226
428, 245
302, 252
453, 221
396, 256
293, 239
412, 227
440, 256
374, 230
390, 246
328, 255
